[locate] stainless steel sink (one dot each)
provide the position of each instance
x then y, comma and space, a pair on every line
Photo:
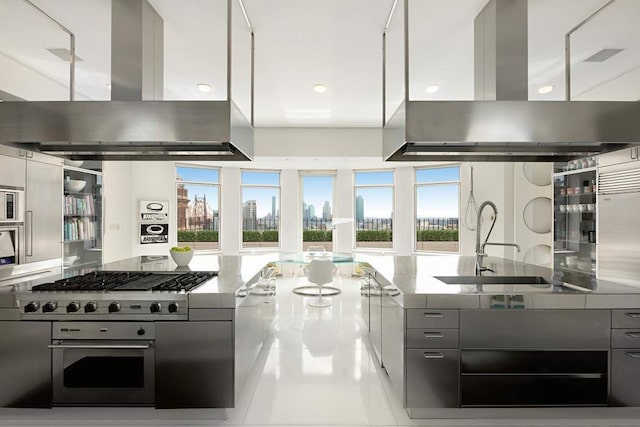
493, 280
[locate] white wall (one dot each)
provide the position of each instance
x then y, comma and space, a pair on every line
117, 210
231, 210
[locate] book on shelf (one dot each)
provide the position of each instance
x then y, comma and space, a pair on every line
79, 205
79, 229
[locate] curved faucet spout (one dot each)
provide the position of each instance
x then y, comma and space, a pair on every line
479, 222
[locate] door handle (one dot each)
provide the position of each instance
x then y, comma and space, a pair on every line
433, 335
102, 347
633, 334
437, 315
29, 239
435, 355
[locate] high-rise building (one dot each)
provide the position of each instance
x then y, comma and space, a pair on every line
326, 211
273, 206
359, 208
250, 215
312, 211
305, 211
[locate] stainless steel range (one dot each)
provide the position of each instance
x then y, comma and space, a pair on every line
114, 295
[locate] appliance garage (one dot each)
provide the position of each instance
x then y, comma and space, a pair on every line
129, 337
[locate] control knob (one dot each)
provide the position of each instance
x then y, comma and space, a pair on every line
173, 307
114, 307
49, 307
155, 307
73, 307
90, 307
31, 307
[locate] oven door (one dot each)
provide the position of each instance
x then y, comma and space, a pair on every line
11, 247
105, 373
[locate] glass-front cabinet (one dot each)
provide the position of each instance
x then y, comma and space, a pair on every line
82, 209
574, 217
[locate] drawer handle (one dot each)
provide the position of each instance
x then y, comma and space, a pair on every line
634, 354
439, 315
633, 334
433, 335
438, 355
634, 315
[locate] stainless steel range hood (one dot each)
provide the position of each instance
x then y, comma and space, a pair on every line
136, 124
501, 125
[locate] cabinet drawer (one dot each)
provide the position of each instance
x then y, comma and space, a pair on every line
625, 319
432, 338
625, 338
446, 319
625, 376
432, 379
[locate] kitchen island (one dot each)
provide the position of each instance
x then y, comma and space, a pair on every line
100, 339
515, 337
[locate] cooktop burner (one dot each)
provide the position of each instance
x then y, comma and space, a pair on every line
129, 281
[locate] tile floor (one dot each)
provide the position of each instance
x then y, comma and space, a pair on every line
318, 371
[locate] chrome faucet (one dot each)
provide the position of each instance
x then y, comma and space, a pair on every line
480, 253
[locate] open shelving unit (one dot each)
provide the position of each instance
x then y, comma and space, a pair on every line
575, 217
82, 213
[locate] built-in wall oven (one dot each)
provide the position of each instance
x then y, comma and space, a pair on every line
11, 226
103, 363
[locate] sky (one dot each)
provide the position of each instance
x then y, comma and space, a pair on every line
431, 201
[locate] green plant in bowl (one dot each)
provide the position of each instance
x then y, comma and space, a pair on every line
181, 255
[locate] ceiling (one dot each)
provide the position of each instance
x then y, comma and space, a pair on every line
299, 44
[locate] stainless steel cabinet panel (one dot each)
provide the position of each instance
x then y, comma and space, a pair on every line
622, 156
625, 319
194, 364
12, 172
25, 364
375, 318
432, 378
625, 377
432, 338
625, 338
535, 329
618, 235
393, 342
43, 218
446, 319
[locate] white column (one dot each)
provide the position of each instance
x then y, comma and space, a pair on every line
343, 211
231, 207
290, 211
404, 212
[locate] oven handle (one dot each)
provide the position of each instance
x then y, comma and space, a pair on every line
109, 347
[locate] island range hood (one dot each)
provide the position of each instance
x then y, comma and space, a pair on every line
136, 124
501, 124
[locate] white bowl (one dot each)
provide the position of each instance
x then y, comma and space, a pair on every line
74, 185
67, 261
182, 259
74, 163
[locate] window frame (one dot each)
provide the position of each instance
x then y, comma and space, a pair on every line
218, 185
278, 205
393, 208
417, 185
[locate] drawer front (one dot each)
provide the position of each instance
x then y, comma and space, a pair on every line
625, 376
531, 329
625, 319
625, 338
432, 378
444, 319
432, 338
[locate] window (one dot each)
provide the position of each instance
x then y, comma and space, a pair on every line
198, 204
260, 209
317, 209
373, 217
437, 209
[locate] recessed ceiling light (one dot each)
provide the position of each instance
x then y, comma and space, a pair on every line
320, 88
546, 89
433, 88
203, 87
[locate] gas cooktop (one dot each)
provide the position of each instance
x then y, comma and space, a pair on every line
129, 281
